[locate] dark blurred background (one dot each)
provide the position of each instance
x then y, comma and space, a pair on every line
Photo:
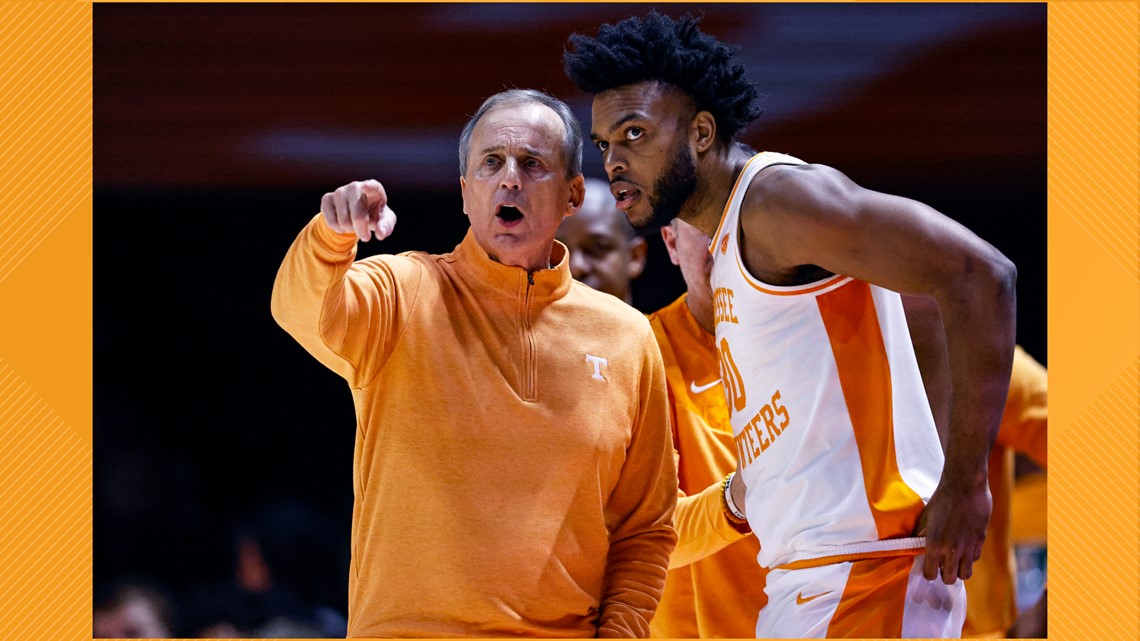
223, 451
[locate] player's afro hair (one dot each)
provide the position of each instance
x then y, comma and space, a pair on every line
674, 52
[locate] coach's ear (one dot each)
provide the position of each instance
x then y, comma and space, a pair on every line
463, 193
703, 131
577, 195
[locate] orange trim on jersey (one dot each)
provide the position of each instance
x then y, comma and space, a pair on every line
844, 558
856, 338
728, 203
751, 280
873, 600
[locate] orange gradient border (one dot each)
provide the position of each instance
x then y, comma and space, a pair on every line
46, 301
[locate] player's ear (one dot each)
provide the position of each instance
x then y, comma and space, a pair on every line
703, 130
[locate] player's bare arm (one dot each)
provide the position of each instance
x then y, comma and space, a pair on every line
359, 207
797, 217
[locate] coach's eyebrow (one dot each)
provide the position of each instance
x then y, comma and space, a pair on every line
532, 151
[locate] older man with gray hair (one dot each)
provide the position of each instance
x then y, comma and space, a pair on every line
513, 469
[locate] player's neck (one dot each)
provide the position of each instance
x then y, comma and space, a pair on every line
716, 175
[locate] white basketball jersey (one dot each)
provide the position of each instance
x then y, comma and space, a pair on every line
835, 436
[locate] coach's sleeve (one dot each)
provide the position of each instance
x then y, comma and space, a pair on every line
344, 313
639, 513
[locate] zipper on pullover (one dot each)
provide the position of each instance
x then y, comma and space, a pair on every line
529, 366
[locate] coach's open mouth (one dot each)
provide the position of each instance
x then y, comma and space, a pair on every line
509, 213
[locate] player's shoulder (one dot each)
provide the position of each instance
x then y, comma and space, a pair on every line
787, 180
794, 195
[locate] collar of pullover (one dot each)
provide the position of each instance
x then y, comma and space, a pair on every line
511, 281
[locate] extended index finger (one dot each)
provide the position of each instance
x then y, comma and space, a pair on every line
357, 201
374, 193
368, 208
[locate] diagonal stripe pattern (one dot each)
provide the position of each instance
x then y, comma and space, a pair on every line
1093, 506
1084, 126
45, 544
45, 121
45, 470
45, 464
1098, 545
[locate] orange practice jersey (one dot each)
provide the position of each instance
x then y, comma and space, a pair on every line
715, 587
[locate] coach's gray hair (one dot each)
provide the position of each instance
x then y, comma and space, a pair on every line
571, 139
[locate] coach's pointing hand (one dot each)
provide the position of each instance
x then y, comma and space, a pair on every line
359, 207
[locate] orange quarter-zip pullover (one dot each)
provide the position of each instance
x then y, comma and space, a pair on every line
513, 468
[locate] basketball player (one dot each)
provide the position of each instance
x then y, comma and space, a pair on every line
855, 509
713, 551
513, 472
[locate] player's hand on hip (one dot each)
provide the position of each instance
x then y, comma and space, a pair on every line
954, 523
361, 208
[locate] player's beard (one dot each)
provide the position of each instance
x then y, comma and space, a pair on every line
673, 188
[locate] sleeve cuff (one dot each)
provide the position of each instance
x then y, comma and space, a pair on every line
335, 241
